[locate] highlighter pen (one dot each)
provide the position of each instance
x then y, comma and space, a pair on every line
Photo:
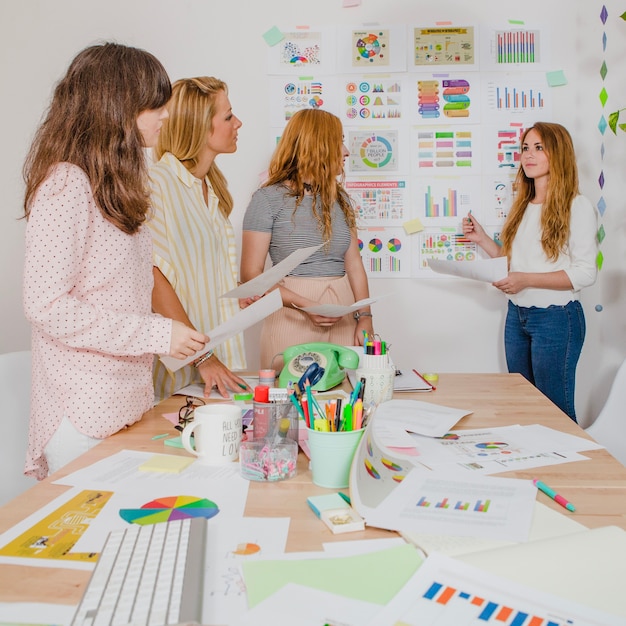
554, 495
345, 498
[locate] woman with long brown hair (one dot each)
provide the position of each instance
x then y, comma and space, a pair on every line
302, 204
88, 268
550, 240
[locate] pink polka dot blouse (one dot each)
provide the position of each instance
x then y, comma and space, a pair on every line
87, 293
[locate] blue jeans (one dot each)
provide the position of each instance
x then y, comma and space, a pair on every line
544, 344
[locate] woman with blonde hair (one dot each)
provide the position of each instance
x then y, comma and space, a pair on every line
303, 204
195, 257
550, 240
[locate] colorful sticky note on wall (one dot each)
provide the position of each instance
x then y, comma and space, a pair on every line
413, 226
273, 36
556, 78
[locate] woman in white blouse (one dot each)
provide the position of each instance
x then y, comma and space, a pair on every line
550, 240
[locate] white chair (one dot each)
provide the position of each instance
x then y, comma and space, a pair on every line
609, 428
15, 407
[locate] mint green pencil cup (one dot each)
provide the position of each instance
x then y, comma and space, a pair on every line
331, 456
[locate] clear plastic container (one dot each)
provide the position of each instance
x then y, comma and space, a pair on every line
264, 460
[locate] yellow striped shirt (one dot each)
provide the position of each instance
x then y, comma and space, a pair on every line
194, 247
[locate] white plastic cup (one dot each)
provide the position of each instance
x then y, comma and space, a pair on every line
217, 432
331, 456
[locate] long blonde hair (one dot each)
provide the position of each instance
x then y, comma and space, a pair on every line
562, 189
309, 158
92, 123
191, 112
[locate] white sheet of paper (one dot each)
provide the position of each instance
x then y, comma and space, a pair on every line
238, 323
424, 418
469, 506
487, 270
305, 606
258, 285
416, 604
337, 310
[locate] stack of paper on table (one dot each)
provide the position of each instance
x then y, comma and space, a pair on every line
587, 567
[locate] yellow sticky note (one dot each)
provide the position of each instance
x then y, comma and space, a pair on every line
273, 36
166, 463
413, 226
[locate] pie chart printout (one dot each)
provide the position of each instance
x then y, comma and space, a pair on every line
169, 509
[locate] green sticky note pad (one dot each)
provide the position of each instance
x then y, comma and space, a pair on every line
326, 502
273, 36
166, 463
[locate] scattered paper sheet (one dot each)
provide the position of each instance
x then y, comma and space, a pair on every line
238, 323
388, 570
487, 270
297, 604
424, 418
470, 506
337, 310
258, 285
448, 592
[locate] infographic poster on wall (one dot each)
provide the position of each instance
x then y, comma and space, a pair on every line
386, 252
288, 95
372, 48
447, 45
373, 152
379, 202
304, 50
448, 97
445, 150
367, 99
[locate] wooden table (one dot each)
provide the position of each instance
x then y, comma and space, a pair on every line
597, 487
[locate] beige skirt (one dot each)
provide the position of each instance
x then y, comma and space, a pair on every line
288, 327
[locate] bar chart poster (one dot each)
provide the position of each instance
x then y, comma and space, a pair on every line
514, 47
367, 99
386, 252
379, 202
449, 592
446, 149
444, 201
517, 93
446, 96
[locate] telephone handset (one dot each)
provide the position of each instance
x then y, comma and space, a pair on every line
334, 359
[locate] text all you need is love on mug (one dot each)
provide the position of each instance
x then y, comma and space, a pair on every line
216, 430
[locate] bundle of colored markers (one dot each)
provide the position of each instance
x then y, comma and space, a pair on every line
332, 415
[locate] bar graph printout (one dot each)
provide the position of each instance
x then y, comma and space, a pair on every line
446, 592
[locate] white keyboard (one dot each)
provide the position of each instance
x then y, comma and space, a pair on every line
147, 575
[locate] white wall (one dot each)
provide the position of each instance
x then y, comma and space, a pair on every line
444, 326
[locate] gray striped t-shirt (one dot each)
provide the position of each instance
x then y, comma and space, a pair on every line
271, 210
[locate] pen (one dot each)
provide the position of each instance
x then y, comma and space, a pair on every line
428, 383
554, 495
344, 497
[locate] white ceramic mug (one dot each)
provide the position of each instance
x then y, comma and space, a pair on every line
216, 430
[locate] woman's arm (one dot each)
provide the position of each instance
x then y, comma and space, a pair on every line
473, 231
214, 373
254, 248
360, 288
